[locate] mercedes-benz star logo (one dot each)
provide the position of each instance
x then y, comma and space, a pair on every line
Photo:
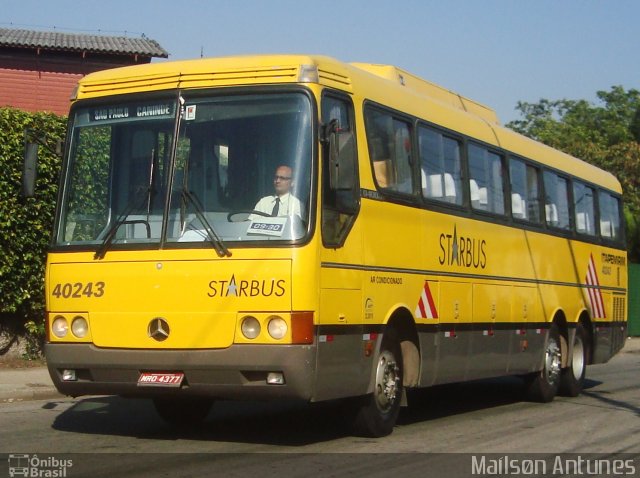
158, 329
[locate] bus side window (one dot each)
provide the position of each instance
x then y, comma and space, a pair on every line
525, 200
533, 193
609, 216
583, 197
485, 182
390, 151
517, 174
440, 166
556, 206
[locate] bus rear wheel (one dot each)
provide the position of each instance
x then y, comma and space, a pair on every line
182, 412
572, 378
543, 386
377, 413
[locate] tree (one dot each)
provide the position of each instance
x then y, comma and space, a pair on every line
606, 134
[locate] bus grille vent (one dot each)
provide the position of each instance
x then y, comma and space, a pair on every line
618, 309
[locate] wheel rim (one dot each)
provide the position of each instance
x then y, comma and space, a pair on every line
387, 381
577, 359
553, 361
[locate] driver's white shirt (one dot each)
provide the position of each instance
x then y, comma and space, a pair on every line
289, 205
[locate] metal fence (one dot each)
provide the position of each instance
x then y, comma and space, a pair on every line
634, 300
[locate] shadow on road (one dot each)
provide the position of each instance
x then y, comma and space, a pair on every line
276, 423
279, 423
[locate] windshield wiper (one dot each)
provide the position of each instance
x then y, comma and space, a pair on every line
122, 219
111, 233
188, 197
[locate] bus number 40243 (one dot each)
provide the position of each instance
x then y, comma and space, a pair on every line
78, 290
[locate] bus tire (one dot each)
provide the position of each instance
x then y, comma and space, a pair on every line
572, 377
377, 413
542, 386
182, 412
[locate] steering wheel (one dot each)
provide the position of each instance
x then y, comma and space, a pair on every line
247, 212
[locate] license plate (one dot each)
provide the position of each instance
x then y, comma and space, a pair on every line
160, 379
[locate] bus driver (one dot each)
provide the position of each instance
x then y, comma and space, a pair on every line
282, 203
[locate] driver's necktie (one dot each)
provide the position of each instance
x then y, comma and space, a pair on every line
276, 207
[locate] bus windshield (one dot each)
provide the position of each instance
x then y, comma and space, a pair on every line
240, 170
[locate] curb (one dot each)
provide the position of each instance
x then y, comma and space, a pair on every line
17, 385
44, 393
632, 345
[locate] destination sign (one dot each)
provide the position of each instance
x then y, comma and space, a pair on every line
133, 111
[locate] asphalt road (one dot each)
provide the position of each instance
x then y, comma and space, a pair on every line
121, 437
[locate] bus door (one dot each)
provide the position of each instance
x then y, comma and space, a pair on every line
341, 366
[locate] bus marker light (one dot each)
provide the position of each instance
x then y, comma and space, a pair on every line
302, 329
275, 378
308, 74
368, 348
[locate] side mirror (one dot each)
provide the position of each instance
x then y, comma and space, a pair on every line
342, 160
29, 170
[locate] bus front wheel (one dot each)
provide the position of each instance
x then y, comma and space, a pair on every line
542, 386
377, 413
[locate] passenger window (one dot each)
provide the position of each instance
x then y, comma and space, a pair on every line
584, 209
609, 216
485, 181
390, 151
440, 166
556, 203
525, 198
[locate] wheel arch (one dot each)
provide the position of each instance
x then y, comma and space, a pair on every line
402, 321
585, 320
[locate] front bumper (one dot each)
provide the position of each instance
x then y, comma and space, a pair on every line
236, 372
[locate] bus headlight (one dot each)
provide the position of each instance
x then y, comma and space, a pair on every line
250, 327
277, 327
59, 327
79, 327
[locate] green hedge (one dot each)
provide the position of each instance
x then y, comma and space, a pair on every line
634, 300
26, 224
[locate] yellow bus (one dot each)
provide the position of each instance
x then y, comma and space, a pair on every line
267, 227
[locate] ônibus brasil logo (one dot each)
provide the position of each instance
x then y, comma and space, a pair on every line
35, 466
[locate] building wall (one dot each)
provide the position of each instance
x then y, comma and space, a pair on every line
34, 82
